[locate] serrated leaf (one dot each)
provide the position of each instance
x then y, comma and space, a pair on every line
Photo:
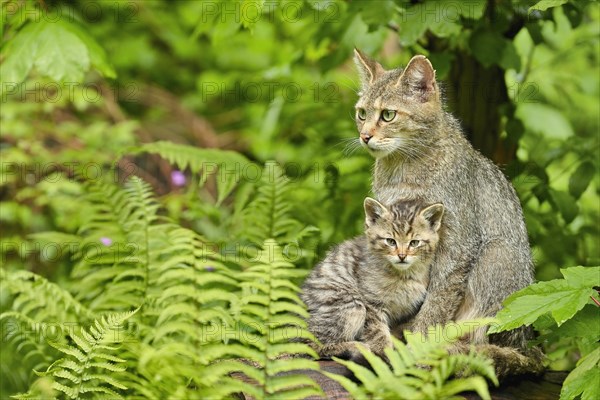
559, 297
97, 54
582, 276
585, 325
72, 393
51, 48
583, 380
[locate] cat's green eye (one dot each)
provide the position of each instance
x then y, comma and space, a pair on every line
388, 115
361, 114
390, 242
414, 243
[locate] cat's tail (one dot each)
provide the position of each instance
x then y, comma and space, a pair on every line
508, 361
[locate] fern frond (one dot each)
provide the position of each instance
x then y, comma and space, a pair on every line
229, 165
84, 368
114, 275
422, 368
270, 213
281, 325
41, 300
27, 337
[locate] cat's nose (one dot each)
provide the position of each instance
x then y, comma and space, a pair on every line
365, 137
402, 257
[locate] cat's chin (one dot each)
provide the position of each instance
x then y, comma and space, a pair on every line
377, 153
402, 266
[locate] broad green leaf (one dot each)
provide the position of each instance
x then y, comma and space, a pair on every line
582, 276
20, 54
565, 203
443, 27
543, 5
444, 20
97, 54
471, 9
558, 297
57, 49
412, 25
581, 178
490, 47
584, 379
545, 120
378, 15
585, 325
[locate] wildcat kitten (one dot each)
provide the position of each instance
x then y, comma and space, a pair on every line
368, 283
421, 152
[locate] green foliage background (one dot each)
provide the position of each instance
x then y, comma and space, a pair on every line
96, 92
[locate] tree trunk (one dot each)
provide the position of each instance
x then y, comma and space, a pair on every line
477, 96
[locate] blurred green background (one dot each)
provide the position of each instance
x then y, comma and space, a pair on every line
274, 80
85, 83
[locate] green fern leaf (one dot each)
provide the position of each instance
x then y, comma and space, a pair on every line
81, 373
229, 165
445, 375
278, 325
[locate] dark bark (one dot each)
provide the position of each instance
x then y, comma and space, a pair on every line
477, 96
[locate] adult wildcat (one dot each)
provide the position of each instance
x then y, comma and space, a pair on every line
421, 152
379, 279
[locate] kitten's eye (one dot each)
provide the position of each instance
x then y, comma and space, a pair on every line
388, 115
390, 242
414, 243
361, 114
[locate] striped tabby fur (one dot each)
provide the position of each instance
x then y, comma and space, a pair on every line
379, 279
420, 152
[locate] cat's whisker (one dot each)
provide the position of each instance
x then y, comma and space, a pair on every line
354, 81
351, 148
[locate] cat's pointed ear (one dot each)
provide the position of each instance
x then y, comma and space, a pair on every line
374, 211
433, 215
419, 78
369, 70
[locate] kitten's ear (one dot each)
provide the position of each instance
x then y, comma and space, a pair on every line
419, 78
433, 215
374, 210
369, 70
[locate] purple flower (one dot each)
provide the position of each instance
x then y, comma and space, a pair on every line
209, 268
106, 241
178, 178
